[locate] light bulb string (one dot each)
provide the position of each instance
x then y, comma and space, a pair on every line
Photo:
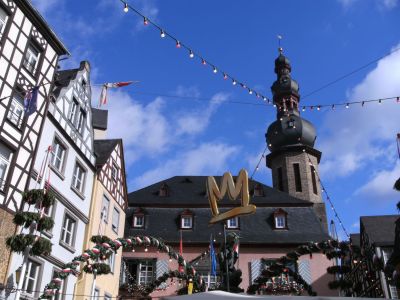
194, 53
258, 164
327, 197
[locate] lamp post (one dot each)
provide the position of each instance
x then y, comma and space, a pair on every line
226, 260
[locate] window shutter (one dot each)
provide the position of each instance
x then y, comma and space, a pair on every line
255, 268
305, 270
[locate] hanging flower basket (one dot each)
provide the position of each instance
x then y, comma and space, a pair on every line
24, 218
42, 246
45, 223
38, 196
18, 243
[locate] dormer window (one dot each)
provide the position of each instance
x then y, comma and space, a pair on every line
138, 218
233, 223
164, 190
280, 219
258, 190
187, 220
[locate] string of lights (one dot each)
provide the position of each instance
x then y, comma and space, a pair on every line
350, 73
259, 161
323, 189
192, 54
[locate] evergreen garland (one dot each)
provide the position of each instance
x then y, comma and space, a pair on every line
42, 246
18, 243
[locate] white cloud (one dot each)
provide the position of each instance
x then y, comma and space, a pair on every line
197, 121
389, 4
206, 159
44, 6
381, 185
347, 3
353, 138
355, 225
385, 4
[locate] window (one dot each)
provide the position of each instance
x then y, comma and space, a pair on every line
114, 172
68, 230
280, 179
297, 178
3, 20
314, 180
78, 179
111, 261
31, 278
31, 59
16, 112
96, 294
80, 126
5, 158
58, 155
280, 221
233, 223
258, 190
138, 221
74, 110
60, 291
146, 269
115, 220
104, 209
107, 297
186, 222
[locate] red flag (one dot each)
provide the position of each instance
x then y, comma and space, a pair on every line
181, 269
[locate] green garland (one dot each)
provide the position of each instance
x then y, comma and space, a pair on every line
38, 196
42, 246
18, 243
45, 223
26, 218
100, 268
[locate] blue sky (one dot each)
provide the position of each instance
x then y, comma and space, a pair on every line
324, 40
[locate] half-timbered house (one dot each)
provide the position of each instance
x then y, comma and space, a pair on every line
68, 130
29, 54
107, 216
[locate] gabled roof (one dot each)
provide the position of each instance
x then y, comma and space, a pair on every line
380, 229
355, 239
99, 118
190, 191
64, 77
103, 150
257, 229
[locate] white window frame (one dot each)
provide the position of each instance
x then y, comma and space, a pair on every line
145, 272
16, 112
136, 223
27, 278
107, 297
111, 261
280, 221
3, 20
96, 294
32, 56
186, 218
105, 208
57, 156
232, 223
80, 124
4, 164
78, 178
115, 220
74, 110
114, 171
68, 229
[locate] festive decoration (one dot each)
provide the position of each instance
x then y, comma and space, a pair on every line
42, 198
18, 243
106, 86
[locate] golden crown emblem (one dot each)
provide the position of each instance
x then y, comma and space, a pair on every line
241, 187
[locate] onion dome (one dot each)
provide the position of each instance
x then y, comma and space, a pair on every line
290, 130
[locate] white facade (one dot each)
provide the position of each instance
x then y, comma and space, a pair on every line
67, 128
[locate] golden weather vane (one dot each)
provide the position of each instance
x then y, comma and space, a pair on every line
216, 194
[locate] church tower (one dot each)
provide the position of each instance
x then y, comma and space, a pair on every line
293, 158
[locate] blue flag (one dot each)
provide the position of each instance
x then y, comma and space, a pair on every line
30, 101
213, 259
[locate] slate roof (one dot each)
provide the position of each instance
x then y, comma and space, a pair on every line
256, 229
99, 118
103, 150
380, 229
63, 78
190, 191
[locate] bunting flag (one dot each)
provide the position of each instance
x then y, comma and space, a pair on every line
213, 259
30, 101
106, 86
181, 268
398, 144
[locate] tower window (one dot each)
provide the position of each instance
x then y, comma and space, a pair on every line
314, 180
280, 219
280, 179
297, 178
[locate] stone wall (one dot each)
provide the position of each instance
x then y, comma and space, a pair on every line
7, 228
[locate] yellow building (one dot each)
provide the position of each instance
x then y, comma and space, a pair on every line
107, 217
